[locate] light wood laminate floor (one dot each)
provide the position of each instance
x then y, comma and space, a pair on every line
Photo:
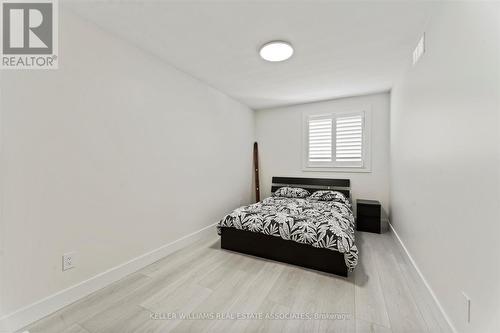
384, 294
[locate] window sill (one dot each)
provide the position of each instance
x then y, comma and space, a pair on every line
337, 169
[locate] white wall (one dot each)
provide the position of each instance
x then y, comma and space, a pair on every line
112, 155
279, 133
2, 229
445, 189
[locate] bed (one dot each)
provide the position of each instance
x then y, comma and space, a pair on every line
299, 231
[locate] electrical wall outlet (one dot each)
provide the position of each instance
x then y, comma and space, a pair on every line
467, 307
68, 261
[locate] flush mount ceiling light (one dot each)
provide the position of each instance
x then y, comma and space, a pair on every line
276, 51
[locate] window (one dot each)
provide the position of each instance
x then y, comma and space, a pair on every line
337, 141
320, 140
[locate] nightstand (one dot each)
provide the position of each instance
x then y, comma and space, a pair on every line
369, 215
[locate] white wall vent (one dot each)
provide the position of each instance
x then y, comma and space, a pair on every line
419, 50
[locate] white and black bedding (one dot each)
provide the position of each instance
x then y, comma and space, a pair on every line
322, 224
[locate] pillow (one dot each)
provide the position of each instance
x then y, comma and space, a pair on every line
291, 192
329, 196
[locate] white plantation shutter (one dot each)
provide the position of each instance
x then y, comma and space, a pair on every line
349, 139
320, 140
336, 140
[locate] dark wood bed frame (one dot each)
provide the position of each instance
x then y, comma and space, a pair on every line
276, 248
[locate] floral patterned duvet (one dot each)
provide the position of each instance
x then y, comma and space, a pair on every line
322, 224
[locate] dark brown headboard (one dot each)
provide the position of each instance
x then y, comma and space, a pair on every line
313, 184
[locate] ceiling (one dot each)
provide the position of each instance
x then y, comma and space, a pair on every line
341, 48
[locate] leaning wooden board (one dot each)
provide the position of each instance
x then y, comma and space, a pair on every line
256, 170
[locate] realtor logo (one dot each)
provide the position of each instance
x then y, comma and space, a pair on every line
29, 34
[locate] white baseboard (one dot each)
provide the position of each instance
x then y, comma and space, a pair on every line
42, 308
450, 324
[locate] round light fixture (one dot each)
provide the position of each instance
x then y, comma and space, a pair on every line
276, 51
